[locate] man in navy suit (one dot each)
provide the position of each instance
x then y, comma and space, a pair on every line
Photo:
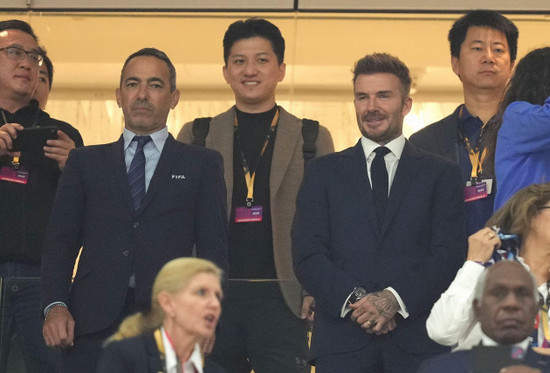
505, 304
377, 237
128, 223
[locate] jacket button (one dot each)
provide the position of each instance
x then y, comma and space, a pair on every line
136, 224
126, 253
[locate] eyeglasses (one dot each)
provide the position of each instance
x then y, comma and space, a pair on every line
18, 54
543, 207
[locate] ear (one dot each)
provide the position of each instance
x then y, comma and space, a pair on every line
225, 73
175, 98
118, 99
165, 301
407, 105
455, 65
282, 72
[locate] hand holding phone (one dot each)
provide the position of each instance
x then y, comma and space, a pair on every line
33, 139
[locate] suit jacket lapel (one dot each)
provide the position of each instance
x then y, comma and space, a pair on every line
152, 352
285, 143
167, 158
115, 151
448, 140
407, 171
356, 168
221, 138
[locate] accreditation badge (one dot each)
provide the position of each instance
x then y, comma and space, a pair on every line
248, 214
479, 190
19, 176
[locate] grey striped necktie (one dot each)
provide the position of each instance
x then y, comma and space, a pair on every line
136, 173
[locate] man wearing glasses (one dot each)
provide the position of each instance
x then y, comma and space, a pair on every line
28, 181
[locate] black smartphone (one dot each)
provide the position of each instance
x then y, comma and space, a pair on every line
33, 139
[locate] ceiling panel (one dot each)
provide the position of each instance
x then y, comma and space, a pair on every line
424, 5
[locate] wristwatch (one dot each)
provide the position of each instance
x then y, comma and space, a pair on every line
356, 294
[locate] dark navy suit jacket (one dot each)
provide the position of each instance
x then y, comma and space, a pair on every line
337, 245
138, 355
184, 206
464, 362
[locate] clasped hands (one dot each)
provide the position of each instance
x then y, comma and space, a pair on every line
375, 313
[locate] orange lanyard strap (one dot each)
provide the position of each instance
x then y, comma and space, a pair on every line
247, 175
476, 156
160, 347
544, 321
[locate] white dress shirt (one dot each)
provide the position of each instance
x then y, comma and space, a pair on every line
193, 365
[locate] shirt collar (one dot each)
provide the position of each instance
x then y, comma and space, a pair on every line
486, 341
159, 138
396, 146
195, 360
463, 114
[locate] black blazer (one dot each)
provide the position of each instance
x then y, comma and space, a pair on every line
184, 206
440, 137
337, 245
138, 355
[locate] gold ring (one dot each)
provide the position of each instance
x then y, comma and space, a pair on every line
368, 323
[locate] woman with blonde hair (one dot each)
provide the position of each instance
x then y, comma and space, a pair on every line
186, 306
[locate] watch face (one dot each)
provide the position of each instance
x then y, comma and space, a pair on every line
357, 294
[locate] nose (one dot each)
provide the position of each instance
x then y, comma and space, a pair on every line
511, 301
488, 56
142, 92
371, 104
250, 68
25, 63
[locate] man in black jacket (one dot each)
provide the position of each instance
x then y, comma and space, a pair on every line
483, 46
28, 182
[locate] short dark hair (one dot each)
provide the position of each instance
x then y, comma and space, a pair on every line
49, 67
17, 24
254, 27
483, 18
153, 52
384, 63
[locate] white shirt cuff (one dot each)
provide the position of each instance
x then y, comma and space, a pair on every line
402, 308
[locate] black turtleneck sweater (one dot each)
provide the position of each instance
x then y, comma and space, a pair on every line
25, 208
251, 244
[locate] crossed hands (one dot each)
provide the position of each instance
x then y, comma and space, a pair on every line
375, 313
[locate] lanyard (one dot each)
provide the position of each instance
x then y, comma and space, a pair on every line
544, 320
160, 347
15, 160
247, 175
476, 156
162, 351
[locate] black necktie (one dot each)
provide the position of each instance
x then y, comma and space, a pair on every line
136, 172
379, 176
